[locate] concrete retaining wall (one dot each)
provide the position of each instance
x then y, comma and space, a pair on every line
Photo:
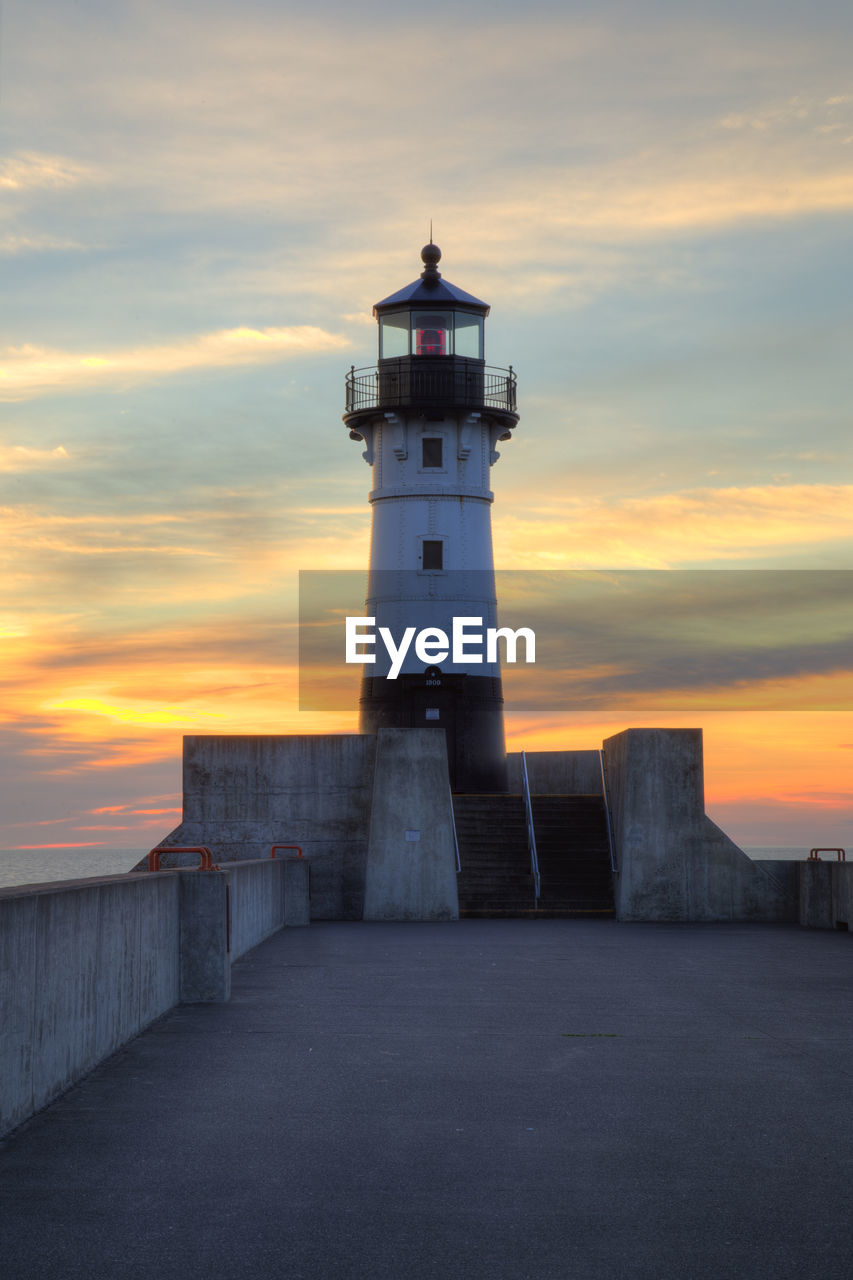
564, 773
242, 794
826, 894
673, 862
83, 967
265, 896
87, 964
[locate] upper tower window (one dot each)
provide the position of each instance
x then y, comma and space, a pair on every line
432, 452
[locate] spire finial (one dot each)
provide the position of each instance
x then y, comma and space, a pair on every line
430, 257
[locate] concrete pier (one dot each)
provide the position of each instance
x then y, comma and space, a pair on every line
483, 1100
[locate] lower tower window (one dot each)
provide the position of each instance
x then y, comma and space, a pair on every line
432, 554
431, 455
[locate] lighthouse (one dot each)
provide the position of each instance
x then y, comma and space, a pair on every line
430, 414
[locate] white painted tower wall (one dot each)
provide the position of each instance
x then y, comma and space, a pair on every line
411, 503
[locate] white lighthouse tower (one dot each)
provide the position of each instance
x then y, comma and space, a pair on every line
430, 414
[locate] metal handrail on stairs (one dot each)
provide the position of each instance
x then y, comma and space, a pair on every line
531, 835
455, 837
613, 867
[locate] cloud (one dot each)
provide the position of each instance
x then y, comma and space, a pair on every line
21, 458
77, 844
28, 371
11, 244
140, 814
25, 170
140, 807
589, 142
140, 713
672, 529
219, 552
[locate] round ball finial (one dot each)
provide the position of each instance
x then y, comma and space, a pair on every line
430, 256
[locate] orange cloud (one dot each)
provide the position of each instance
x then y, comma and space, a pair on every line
92, 697
103, 828
19, 458
77, 844
660, 532
29, 370
138, 714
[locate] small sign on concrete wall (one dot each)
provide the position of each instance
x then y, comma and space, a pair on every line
413, 835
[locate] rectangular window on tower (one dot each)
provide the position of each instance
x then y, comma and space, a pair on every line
432, 452
432, 554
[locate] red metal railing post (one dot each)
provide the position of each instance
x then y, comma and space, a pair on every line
840, 854
205, 857
286, 846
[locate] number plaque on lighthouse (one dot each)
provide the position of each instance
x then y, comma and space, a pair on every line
430, 414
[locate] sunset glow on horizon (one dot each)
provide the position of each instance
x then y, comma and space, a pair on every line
654, 199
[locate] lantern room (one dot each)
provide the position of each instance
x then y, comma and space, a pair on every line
431, 354
431, 317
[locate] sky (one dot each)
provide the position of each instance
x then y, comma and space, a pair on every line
199, 206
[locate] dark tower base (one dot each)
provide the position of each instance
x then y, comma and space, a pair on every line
470, 710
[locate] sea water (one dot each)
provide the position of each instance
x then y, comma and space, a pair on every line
36, 866
787, 853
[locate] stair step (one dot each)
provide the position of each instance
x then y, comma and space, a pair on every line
572, 847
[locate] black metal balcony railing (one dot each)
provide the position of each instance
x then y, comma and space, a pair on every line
442, 382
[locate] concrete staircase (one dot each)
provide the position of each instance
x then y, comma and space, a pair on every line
492, 833
571, 840
574, 855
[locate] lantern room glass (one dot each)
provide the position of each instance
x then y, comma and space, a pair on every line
431, 333
394, 335
468, 338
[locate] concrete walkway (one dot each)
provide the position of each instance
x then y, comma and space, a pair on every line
485, 1099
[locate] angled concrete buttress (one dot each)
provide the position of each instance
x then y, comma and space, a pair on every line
411, 857
674, 863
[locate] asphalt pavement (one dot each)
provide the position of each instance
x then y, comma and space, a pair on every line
499, 1098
